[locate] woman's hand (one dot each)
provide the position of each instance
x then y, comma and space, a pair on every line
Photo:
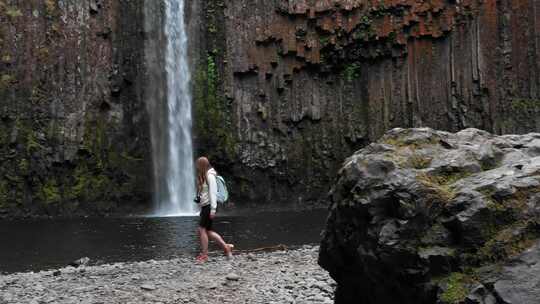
212, 215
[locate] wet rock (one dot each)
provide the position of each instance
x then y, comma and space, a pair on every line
439, 259
80, 262
480, 295
519, 281
426, 214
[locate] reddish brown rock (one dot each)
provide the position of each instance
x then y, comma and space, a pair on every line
337, 74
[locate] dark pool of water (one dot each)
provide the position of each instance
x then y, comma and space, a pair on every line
33, 245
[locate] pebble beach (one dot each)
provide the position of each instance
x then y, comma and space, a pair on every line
284, 276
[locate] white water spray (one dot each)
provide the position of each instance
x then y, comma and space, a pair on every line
171, 124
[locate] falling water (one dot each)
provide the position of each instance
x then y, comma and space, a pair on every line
171, 123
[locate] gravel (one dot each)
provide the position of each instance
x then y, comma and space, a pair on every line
289, 276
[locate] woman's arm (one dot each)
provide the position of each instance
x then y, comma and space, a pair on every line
212, 192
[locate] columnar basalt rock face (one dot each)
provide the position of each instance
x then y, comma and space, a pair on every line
73, 130
425, 216
284, 90
305, 83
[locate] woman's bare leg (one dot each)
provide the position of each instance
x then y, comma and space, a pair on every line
203, 236
217, 238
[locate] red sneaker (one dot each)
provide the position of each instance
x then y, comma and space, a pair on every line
201, 258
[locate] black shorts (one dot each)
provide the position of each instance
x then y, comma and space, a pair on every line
205, 220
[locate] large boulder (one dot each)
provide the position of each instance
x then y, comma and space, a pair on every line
426, 216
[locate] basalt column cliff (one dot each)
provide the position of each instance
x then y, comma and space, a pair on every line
73, 124
285, 90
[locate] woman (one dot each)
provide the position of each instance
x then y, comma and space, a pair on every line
207, 200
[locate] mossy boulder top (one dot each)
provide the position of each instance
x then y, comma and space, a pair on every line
426, 216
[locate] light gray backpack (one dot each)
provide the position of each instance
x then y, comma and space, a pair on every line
222, 192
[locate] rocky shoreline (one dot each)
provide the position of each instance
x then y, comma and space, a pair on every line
288, 276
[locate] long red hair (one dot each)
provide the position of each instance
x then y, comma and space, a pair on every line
203, 165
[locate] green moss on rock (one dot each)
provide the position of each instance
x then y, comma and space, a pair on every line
6, 58
509, 241
24, 166
32, 144
457, 287
50, 7
524, 104
441, 183
213, 127
89, 186
418, 161
351, 71
50, 193
6, 80
212, 123
364, 31
4, 136
13, 12
3, 193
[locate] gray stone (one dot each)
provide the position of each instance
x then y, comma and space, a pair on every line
232, 277
80, 262
520, 282
480, 295
148, 287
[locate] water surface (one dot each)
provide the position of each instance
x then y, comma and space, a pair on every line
32, 245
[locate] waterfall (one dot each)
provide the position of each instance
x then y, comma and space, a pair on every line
179, 173
169, 102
